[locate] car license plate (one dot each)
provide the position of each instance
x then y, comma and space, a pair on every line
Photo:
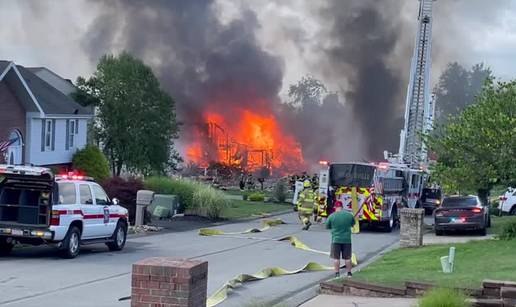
456, 221
17, 232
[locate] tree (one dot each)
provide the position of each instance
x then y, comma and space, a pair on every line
92, 162
458, 87
476, 148
136, 121
308, 90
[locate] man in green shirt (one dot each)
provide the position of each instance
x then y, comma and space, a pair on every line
340, 223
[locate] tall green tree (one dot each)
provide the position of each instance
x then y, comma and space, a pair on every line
476, 148
306, 91
136, 120
458, 87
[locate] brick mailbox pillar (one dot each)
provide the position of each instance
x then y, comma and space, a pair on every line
167, 282
411, 227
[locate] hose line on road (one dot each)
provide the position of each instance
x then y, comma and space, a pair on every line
220, 295
266, 225
294, 241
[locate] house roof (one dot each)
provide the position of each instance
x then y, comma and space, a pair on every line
3, 66
48, 98
51, 100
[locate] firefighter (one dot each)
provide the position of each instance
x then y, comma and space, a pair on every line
305, 204
320, 208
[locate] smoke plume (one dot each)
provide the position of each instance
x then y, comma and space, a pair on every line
361, 48
364, 36
199, 60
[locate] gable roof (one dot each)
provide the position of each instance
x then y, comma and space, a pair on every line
3, 67
65, 86
49, 100
52, 101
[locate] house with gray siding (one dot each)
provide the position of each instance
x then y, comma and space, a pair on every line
42, 124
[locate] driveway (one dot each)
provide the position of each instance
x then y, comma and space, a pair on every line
37, 277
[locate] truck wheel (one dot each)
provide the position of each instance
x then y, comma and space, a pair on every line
119, 237
71, 243
513, 210
390, 225
5, 248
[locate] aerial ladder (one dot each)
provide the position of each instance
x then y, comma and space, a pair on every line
420, 105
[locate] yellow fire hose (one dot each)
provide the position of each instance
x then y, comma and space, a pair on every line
220, 295
266, 225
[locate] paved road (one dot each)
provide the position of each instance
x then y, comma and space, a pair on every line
37, 277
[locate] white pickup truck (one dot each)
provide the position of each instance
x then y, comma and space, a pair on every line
508, 201
37, 207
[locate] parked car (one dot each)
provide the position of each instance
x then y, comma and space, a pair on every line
462, 213
431, 199
508, 201
67, 211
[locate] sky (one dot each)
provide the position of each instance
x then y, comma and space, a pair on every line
360, 49
49, 33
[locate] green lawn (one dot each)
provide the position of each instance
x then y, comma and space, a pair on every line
474, 261
242, 209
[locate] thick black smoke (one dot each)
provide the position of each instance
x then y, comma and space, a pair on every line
200, 61
363, 36
203, 62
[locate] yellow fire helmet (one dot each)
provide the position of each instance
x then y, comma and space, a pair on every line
307, 184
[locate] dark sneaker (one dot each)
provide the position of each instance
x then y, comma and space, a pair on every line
308, 225
349, 274
337, 275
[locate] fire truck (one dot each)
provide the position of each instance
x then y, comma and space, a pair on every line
382, 189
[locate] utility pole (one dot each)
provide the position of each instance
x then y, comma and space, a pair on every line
419, 106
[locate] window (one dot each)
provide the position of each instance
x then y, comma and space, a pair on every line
48, 135
66, 193
72, 130
414, 182
85, 192
460, 202
100, 196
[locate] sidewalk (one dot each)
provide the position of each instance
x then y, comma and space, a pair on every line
352, 301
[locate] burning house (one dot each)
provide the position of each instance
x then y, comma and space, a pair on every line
248, 141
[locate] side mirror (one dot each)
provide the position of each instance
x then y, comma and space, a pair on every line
115, 201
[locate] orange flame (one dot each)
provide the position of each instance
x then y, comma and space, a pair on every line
246, 139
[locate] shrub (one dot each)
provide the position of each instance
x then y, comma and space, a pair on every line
125, 191
256, 196
443, 298
280, 190
209, 201
509, 231
246, 194
92, 162
183, 188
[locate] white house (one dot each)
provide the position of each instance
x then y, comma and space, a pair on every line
39, 121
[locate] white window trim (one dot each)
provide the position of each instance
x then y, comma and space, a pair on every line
48, 134
72, 131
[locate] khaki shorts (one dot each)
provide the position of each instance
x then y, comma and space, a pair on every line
340, 250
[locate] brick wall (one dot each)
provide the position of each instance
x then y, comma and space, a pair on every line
12, 115
167, 282
411, 227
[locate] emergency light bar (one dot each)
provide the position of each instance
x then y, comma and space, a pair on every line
23, 170
73, 176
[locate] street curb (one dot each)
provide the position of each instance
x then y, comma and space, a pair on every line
307, 293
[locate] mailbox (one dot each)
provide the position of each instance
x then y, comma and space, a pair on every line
143, 199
